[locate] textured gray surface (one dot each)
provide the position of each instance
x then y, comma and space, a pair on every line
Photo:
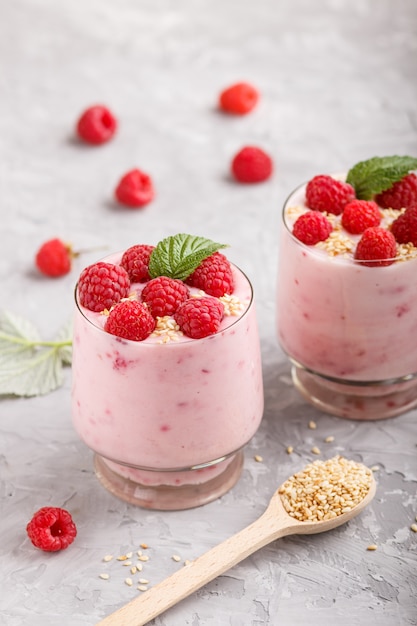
338, 84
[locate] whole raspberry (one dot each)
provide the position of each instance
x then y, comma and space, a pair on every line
54, 258
199, 317
51, 529
102, 285
130, 320
401, 195
376, 247
164, 295
96, 125
404, 228
358, 215
214, 276
312, 227
238, 99
135, 189
136, 262
251, 165
324, 193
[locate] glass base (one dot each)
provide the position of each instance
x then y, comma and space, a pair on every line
194, 487
357, 401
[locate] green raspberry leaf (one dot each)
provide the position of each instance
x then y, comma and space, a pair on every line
179, 255
28, 365
375, 175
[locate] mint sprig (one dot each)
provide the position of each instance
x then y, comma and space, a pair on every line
375, 175
28, 365
179, 255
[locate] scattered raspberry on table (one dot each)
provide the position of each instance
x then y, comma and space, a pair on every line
239, 99
251, 165
54, 258
96, 125
51, 529
135, 189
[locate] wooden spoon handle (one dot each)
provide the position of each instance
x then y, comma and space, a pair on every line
271, 525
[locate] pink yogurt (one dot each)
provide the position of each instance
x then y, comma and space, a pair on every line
164, 406
340, 318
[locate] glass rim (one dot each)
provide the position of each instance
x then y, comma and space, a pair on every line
184, 339
382, 263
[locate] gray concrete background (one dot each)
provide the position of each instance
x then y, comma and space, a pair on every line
338, 85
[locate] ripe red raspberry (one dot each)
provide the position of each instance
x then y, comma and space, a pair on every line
214, 276
401, 195
199, 317
130, 320
358, 215
238, 99
136, 262
251, 165
324, 193
376, 247
54, 258
164, 295
404, 228
312, 227
135, 189
96, 125
102, 285
51, 529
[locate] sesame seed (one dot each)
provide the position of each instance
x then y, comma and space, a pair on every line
375, 468
133, 569
139, 567
142, 588
143, 557
325, 489
176, 557
107, 558
258, 458
143, 581
372, 547
290, 449
128, 582
104, 576
129, 555
127, 563
144, 546
315, 450
329, 439
414, 528
312, 425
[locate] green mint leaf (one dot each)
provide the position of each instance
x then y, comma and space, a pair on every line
375, 175
28, 365
179, 255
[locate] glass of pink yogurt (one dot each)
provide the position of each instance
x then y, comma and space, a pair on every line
168, 417
349, 326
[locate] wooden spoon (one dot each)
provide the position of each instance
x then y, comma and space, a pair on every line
274, 523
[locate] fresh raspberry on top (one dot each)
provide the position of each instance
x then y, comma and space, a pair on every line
136, 262
51, 529
324, 193
199, 317
102, 285
135, 189
376, 248
401, 195
96, 125
130, 320
358, 215
404, 228
164, 295
312, 227
238, 99
251, 165
54, 258
214, 276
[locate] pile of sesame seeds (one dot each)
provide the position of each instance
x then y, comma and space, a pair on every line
325, 489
